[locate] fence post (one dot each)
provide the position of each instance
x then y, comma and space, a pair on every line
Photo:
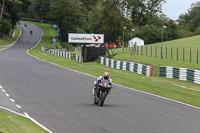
137, 50
156, 52
197, 56
146, 50
171, 53
166, 52
142, 50
183, 54
126, 45
190, 55
151, 51
134, 49
177, 54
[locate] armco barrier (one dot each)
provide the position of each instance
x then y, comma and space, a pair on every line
184, 74
129, 66
63, 53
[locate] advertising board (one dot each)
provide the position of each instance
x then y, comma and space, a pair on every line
85, 38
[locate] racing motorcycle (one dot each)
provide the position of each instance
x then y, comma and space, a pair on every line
31, 32
103, 89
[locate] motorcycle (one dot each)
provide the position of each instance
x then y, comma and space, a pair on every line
31, 32
102, 90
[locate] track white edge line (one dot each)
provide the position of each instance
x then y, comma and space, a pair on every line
160, 97
25, 115
33, 120
189, 105
14, 112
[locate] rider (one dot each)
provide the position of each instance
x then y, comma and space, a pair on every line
31, 31
105, 76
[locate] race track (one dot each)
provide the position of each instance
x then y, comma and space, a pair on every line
61, 99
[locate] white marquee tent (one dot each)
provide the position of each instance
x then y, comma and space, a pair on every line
135, 41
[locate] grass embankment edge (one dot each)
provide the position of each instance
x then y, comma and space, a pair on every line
17, 124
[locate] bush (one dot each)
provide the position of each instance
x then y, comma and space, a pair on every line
5, 26
67, 46
182, 33
149, 33
197, 31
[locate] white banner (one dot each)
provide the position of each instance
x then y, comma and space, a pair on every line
85, 38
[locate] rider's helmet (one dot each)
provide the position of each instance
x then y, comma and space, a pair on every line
106, 75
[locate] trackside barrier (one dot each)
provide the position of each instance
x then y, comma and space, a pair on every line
184, 74
129, 66
63, 53
44, 50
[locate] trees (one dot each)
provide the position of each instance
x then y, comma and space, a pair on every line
191, 20
11, 14
68, 14
102, 16
111, 21
42, 8
5, 26
143, 12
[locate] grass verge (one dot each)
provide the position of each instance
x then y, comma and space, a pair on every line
10, 123
170, 88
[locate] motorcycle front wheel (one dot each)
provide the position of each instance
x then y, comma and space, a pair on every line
102, 98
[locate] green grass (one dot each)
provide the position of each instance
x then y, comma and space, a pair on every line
171, 60
10, 123
5, 39
170, 88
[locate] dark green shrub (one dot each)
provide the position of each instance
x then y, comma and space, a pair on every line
5, 26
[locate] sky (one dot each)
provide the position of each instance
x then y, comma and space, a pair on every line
174, 8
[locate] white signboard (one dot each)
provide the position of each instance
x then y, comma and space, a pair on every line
85, 38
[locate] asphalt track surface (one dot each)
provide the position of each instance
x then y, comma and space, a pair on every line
61, 99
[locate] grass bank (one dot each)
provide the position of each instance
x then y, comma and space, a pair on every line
6, 39
174, 89
10, 123
175, 53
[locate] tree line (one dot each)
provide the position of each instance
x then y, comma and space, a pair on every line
109, 17
11, 11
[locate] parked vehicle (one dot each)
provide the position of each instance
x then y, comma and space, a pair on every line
112, 45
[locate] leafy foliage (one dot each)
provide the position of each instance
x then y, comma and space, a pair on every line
108, 17
68, 14
5, 26
11, 14
190, 21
